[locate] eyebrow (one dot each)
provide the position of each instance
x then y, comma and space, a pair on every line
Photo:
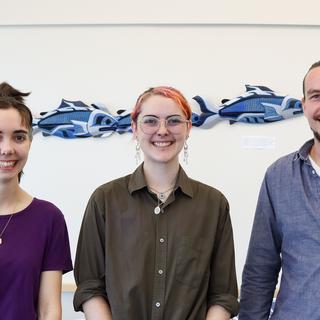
312, 91
18, 131
169, 116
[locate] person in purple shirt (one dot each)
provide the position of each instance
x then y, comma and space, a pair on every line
286, 229
34, 244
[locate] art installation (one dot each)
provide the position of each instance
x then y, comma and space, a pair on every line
75, 119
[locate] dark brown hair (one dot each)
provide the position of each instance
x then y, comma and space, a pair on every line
13, 98
315, 65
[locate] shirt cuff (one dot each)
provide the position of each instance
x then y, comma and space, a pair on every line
87, 290
227, 301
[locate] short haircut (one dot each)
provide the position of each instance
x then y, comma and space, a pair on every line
313, 66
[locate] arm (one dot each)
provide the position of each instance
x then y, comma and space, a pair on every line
49, 306
90, 269
223, 290
97, 308
263, 261
217, 312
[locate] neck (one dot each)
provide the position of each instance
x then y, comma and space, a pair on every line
11, 196
315, 152
161, 177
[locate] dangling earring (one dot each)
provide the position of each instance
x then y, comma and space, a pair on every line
185, 153
138, 154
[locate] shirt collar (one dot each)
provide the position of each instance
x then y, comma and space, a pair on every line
137, 181
304, 151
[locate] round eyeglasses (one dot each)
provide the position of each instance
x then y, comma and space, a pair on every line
151, 124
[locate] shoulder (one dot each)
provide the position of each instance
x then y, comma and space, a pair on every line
46, 210
282, 166
280, 175
283, 161
44, 204
202, 190
110, 188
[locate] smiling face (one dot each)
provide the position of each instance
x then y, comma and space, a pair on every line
311, 100
14, 144
165, 144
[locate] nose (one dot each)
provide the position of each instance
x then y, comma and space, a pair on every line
162, 127
6, 147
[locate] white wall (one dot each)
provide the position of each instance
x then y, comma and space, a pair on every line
112, 64
272, 12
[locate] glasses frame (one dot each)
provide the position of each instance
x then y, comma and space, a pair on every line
156, 128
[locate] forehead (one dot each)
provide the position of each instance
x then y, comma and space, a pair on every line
160, 106
312, 80
10, 120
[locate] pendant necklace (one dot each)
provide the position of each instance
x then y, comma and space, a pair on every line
5, 227
161, 196
7, 223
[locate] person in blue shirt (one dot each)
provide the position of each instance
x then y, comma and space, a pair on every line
286, 230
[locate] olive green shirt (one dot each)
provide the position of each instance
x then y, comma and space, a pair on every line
168, 266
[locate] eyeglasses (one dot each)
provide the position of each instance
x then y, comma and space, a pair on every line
151, 124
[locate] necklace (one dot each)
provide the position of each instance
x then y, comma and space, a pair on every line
7, 223
161, 196
5, 227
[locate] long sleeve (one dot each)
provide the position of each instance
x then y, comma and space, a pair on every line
89, 268
263, 261
223, 289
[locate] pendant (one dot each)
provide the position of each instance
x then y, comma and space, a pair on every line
162, 195
156, 210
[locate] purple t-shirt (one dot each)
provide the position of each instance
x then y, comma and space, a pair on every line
35, 240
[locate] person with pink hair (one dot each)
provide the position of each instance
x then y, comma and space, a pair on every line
156, 244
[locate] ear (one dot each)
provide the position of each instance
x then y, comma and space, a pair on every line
134, 129
303, 101
188, 129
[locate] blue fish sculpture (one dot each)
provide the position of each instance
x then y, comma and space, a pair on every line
258, 104
74, 119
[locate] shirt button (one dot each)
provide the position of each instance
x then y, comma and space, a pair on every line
160, 271
161, 240
313, 172
158, 304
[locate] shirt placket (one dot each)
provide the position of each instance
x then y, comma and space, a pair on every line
315, 179
160, 273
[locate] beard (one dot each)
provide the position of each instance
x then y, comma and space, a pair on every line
316, 135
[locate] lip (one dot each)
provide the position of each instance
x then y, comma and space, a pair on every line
162, 144
7, 164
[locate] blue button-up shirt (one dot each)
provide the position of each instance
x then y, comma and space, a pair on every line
286, 237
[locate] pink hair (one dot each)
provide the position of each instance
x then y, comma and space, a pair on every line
164, 91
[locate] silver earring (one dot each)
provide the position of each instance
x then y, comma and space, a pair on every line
138, 154
185, 153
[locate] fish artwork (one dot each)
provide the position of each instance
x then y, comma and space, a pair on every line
75, 119
258, 104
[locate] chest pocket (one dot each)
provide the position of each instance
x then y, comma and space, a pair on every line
193, 261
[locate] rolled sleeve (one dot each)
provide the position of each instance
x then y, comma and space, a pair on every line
223, 289
89, 268
87, 290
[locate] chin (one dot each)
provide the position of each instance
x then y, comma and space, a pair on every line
7, 177
167, 160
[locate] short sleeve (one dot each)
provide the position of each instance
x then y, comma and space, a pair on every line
57, 254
